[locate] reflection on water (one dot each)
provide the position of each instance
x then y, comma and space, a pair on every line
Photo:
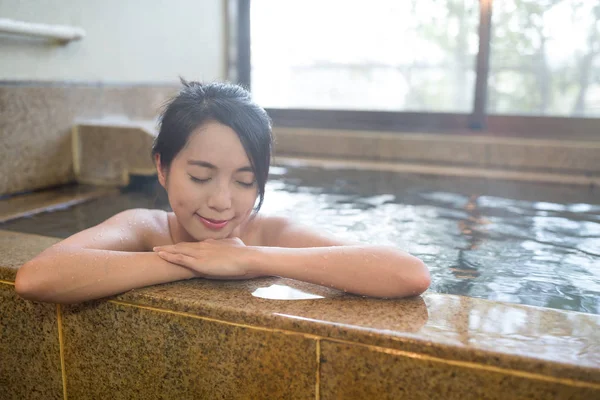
518, 242
536, 244
283, 292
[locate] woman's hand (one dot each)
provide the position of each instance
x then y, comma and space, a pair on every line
222, 258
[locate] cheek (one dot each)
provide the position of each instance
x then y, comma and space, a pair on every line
183, 196
246, 201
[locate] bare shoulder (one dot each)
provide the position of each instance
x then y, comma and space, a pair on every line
278, 231
153, 226
136, 229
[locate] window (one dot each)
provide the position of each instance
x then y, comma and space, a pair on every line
513, 67
545, 58
384, 55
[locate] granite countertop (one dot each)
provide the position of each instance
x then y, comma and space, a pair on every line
548, 342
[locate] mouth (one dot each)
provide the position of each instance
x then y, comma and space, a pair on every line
213, 223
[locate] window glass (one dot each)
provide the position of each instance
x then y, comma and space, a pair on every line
384, 55
545, 58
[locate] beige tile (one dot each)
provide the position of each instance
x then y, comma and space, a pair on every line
358, 372
120, 352
29, 349
17, 248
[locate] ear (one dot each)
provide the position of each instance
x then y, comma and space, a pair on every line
162, 173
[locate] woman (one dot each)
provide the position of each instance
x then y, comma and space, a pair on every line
212, 155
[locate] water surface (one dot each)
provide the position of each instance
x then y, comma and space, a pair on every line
535, 244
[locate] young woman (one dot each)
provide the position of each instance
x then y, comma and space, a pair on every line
212, 155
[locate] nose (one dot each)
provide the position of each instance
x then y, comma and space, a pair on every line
220, 199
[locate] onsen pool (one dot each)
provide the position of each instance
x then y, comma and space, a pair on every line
529, 243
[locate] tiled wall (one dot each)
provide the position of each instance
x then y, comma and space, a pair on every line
36, 122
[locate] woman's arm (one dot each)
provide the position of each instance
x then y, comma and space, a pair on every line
289, 250
297, 252
376, 271
72, 275
82, 268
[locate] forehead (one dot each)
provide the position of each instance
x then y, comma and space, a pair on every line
217, 144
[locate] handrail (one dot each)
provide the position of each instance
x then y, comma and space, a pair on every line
62, 33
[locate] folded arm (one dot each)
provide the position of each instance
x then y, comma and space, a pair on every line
376, 271
82, 268
298, 252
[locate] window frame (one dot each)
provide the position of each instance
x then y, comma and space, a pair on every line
479, 121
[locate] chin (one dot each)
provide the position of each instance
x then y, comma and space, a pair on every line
212, 235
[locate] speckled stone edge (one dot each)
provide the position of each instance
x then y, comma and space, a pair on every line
412, 344
456, 377
428, 150
325, 377
222, 302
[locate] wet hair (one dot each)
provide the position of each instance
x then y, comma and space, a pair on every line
228, 104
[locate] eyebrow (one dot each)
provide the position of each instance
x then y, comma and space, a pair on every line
211, 166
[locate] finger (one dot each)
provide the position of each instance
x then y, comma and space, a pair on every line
162, 248
180, 248
176, 246
179, 259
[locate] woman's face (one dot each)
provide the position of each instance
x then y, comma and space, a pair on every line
210, 183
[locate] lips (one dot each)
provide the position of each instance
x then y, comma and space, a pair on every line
213, 223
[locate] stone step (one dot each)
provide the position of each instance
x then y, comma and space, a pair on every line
24, 205
108, 152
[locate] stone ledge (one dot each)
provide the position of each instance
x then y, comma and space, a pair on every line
523, 155
571, 178
107, 152
448, 334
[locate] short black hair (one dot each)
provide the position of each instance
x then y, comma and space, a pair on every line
226, 103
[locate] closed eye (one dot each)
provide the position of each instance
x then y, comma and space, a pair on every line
246, 184
198, 180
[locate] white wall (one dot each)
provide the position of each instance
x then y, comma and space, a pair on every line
126, 41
